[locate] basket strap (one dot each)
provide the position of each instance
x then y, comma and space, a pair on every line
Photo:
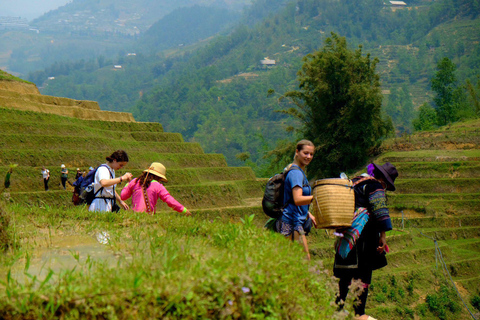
318, 207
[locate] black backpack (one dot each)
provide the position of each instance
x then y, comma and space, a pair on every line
272, 202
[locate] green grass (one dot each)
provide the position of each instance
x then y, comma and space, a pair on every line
219, 194
8, 77
53, 142
79, 130
87, 158
168, 266
428, 196
29, 178
430, 155
419, 170
438, 221
47, 119
463, 135
431, 185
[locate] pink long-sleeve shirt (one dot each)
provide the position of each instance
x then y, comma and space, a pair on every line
155, 191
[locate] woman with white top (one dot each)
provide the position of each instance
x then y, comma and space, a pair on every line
105, 181
46, 177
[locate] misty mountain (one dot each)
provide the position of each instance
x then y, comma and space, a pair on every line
185, 26
30, 9
118, 16
86, 29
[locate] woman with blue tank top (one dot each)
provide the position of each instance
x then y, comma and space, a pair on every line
296, 220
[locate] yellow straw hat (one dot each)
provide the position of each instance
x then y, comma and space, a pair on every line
157, 169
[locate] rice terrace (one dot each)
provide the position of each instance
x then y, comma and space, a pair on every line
220, 263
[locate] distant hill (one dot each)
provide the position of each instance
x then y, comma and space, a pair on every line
121, 16
84, 29
185, 26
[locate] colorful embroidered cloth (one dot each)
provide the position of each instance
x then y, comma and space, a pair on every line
351, 234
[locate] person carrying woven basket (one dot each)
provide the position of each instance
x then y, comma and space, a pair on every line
147, 189
361, 248
296, 221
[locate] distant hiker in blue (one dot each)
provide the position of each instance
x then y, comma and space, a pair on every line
361, 248
296, 221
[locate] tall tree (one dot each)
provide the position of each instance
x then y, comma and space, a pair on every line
426, 118
444, 84
339, 106
474, 94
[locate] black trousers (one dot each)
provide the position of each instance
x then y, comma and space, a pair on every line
45, 183
64, 180
360, 301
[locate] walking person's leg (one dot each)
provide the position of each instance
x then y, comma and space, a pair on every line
343, 285
360, 303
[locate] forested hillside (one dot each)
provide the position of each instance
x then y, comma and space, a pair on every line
185, 26
86, 29
216, 93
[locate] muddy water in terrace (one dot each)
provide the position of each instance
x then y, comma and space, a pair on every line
65, 253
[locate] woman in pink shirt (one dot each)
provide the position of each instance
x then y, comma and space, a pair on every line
147, 189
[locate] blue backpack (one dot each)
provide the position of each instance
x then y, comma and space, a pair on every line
87, 194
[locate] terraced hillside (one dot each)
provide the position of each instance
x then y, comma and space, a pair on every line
33, 140
440, 170
436, 216
435, 210
438, 196
25, 96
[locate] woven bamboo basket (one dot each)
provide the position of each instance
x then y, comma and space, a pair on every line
333, 203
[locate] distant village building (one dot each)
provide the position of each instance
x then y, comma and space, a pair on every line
117, 66
267, 62
398, 4
13, 23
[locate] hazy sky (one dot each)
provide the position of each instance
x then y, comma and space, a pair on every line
29, 9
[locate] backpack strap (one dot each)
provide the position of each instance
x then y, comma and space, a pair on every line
362, 179
101, 189
294, 167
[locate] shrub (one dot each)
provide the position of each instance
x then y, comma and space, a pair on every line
475, 301
442, 304
380, 297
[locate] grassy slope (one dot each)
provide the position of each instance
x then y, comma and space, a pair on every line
161, 259
6, 76
166, 266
